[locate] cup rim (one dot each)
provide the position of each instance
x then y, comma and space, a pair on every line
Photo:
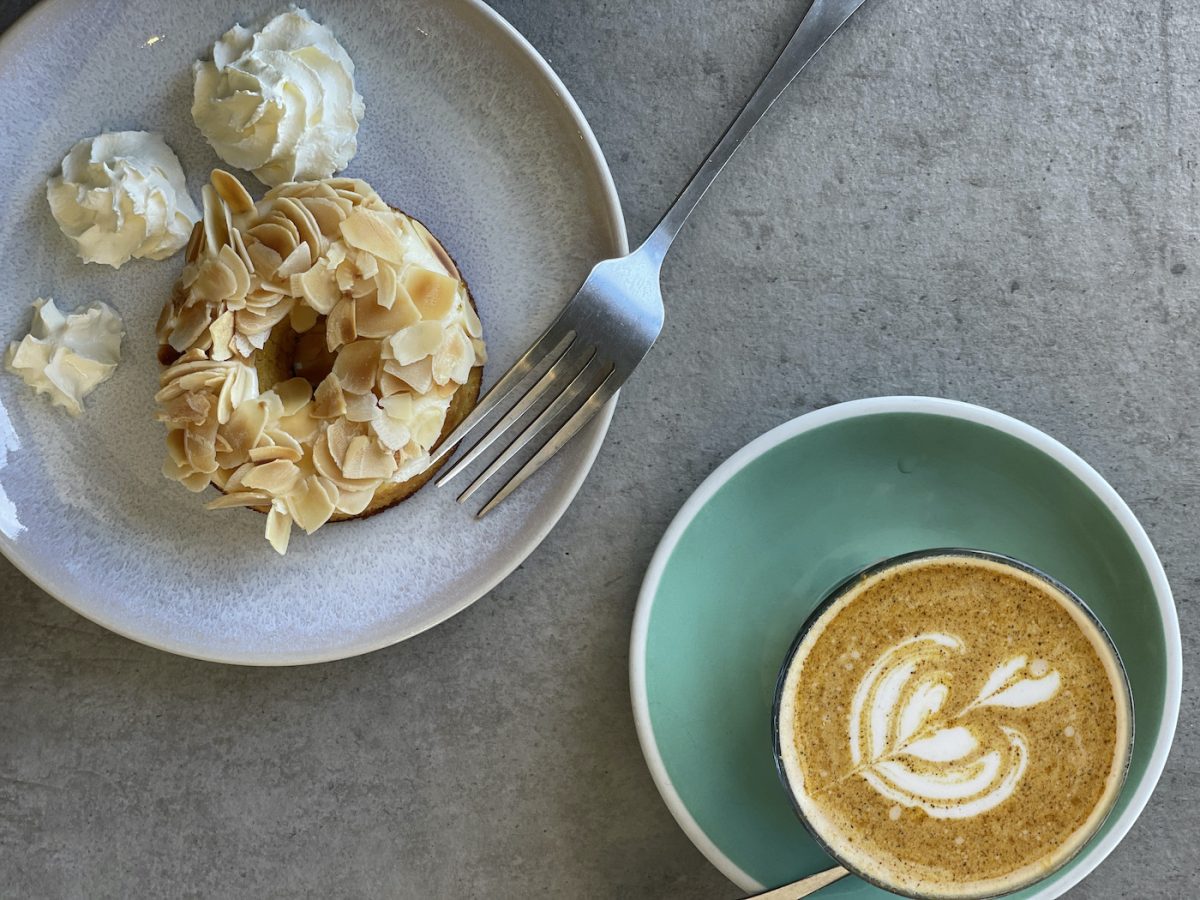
832, 596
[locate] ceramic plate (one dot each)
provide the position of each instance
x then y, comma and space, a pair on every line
792, 514
466, 128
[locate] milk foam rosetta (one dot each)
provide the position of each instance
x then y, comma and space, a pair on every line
954, 726
913, 753
280, 102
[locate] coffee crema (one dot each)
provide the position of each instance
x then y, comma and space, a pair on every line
954, 726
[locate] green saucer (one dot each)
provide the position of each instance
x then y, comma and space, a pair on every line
793, 513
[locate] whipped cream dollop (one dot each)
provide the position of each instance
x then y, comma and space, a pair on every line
67, 356
122, 195
281, 101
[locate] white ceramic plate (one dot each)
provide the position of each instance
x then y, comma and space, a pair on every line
466, 128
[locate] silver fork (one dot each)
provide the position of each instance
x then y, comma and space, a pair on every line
610, 324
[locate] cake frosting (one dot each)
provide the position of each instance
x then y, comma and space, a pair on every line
121, 195
280, 101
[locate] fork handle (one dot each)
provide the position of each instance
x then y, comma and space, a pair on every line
823, 18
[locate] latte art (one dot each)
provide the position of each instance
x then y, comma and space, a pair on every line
953, 725
911, 753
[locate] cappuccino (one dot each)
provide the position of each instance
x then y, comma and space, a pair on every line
953, 725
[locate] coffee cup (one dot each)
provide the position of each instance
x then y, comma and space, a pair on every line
952, 723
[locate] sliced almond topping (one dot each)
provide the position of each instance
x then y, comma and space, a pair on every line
363, 287
302, 317
368, 264
345, 275
270, 452
239, 245
341, 327
427, 425
338, 435
336, 254
195, 243
362, 407
293, 393
415, 342
175, 451
239, 498
280, 218
241, 274
214, 280
309, 503
385, 286
276, 477
265, 259
480, 349
280, 437
319, 288
372, 231
199, 445
434, 294
305, 224
232, 192
328, 214
389, 384
190, 324
329, 252
234, 481
357, 366
298, 261
324, 461
454, 359
398, 407
471, 318
279, 527
222, 332
329, 401
418, 376
357, 191
354, 502
242, 346
393, 431
259, 324
301, 425
243, 431
273, 235
196, 482
436, 248
300, 189
215, 235
375, 321
368, 458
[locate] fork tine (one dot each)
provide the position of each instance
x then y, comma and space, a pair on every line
552, 339
559, 371
592, 405
584, 379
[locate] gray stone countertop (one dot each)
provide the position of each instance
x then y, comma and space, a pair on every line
995, 202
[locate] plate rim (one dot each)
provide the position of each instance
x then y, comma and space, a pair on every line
611, 200
954, 409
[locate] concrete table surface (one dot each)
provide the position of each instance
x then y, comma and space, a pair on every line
992, 202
